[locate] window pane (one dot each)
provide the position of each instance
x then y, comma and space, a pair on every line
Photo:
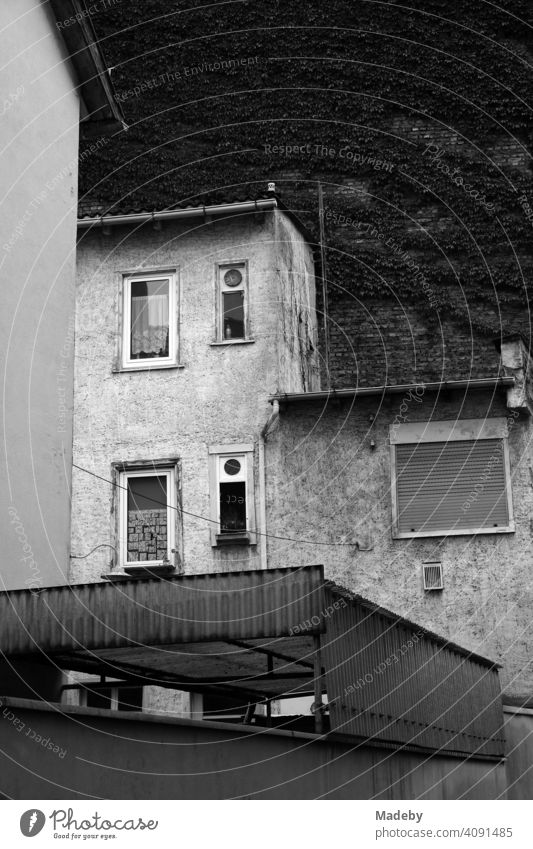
220, 708
149, 319
147, 518
233, 315
100, 698
130, 698
232, 507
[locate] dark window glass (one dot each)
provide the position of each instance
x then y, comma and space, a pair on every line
232, 467
223, 708
147, 518
233, 315
232, 507
149, 319
99, 698
130, 698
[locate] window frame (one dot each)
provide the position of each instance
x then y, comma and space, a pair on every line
124, 471
84, 689
127, 363
216, 453
220, 269
460, 430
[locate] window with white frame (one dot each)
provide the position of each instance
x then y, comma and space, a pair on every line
149, 322
450, 478
232, 494
232, 302
147, 516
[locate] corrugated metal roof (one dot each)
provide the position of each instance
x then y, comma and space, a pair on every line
191, 608
392, 680
252, 634
401, 620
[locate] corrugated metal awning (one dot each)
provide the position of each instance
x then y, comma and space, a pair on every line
233, 630
260, 635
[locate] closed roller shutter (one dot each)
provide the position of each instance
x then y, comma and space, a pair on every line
435, 480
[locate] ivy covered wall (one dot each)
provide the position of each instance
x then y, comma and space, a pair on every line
415, 119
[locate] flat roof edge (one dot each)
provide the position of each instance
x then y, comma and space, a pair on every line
392, 389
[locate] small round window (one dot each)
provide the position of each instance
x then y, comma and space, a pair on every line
232, 467
232, 277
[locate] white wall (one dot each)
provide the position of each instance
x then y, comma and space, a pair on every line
38, 194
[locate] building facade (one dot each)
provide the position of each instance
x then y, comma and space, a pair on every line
420, 497
183, 333
53, 77
215, 449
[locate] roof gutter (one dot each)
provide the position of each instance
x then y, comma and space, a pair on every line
398, 389
172, 214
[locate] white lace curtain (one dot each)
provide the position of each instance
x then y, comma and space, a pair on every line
149, 325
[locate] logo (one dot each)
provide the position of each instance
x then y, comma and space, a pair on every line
32, 822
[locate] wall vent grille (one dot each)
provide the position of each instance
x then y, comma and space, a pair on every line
433, 578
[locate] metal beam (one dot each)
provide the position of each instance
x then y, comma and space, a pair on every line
270, 653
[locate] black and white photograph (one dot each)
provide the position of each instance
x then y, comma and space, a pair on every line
266, 441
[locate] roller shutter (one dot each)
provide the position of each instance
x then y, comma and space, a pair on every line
435, 481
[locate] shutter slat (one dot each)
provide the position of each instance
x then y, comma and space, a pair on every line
435, 481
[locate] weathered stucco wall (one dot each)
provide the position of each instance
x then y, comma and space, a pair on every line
299, 367
220, 393
38, 175
326, 484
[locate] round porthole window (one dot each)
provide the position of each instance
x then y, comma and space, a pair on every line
232, 467
233, 277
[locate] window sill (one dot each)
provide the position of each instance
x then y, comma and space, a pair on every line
238, 538
232, 342
138, 574
151, 367
155, 570
507, 529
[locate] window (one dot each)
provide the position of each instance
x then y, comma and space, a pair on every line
232, 302
147, 517
111, 698
149, 321
232, 495
450, 478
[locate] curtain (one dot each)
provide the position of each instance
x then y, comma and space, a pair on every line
149, 320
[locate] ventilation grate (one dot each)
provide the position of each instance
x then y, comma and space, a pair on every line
432, 573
